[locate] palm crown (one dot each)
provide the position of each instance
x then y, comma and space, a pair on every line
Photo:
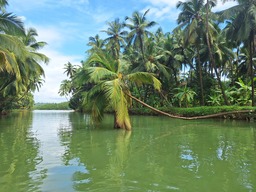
111, 86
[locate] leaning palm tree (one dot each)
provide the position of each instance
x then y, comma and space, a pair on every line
11, 28
111, 85
26, 76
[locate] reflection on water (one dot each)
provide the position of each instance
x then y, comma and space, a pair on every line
64, 151
19, 154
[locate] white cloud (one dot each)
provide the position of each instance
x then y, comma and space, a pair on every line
32, 4
54, 74
222, 6
54, 70
51, 35
22, 18
166, 9
164, 3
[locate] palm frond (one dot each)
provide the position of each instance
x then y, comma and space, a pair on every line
104, 59
97, 74
11, 24
144, 78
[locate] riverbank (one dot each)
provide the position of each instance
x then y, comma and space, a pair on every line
228, 112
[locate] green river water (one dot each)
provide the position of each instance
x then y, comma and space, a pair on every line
59, 151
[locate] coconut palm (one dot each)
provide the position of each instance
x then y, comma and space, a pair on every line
95, 43
30, 68
26, 76
138, 26
191, 21
11, 45
116, 38
111, 82
10, 27
70, 69
209, 34
243, 29
184, 95
65, 87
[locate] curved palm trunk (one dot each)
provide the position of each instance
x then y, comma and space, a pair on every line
187, 118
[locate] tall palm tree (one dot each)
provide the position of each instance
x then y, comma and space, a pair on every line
95, 43
111, 87
116, 38
31, 67
191, 21
243, 29
138, 25
70, 69
209, 5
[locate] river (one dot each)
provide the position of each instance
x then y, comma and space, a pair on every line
58, 151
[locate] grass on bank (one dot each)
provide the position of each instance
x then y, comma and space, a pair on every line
193, 111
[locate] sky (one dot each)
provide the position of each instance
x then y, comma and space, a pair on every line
66, 26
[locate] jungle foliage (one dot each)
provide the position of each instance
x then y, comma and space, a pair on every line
21, 72
199, 63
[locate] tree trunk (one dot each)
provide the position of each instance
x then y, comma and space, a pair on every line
212, 60
116, 125
121, 125
200, 78
186, 118
251, 47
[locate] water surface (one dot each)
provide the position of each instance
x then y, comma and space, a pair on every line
63, 151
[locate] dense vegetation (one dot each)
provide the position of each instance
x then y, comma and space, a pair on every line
51, 106
207, 60
20, 69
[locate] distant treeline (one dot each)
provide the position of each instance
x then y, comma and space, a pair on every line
51, 106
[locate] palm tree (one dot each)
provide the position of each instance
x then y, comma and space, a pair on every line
95, 43
185, 94
10, 28
111, 82
65, 87
31, 68
243, 29
191, 21
26, 75
209, 5
116, 38
138, 26
70, 69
